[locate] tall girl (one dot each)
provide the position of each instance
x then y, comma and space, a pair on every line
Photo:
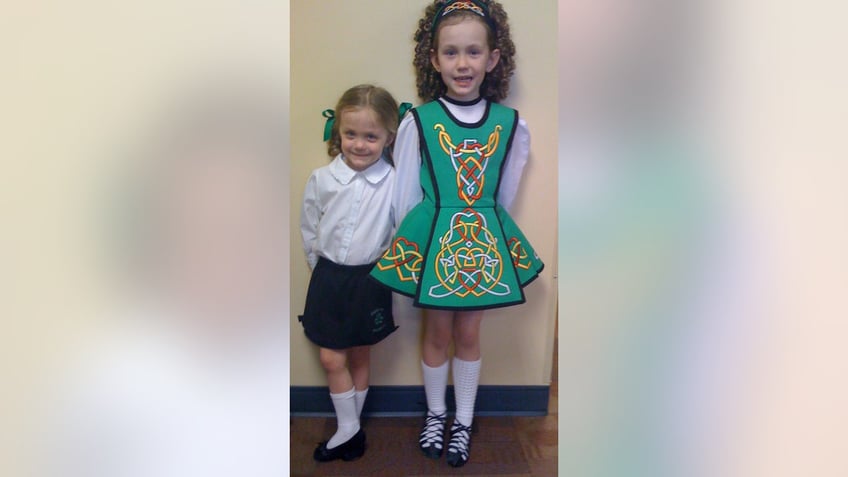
346, 224
460, 158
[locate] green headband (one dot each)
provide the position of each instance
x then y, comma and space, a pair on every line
331, 119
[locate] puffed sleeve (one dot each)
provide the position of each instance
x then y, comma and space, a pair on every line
514, 167
310, 215
407, 156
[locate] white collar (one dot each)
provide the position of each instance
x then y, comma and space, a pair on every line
373, 174
468, 112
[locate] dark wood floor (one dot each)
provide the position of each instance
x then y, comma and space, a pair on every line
502, 446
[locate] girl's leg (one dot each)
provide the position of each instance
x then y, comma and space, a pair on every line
438, 326
342, 393
360, 367
438, 331
334, 362
466, 364
466, 376
466, 335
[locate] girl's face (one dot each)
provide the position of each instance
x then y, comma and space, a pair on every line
463, 58
363, 137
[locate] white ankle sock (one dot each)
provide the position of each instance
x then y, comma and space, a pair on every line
466, 377
359, 397
346, 417
435, 385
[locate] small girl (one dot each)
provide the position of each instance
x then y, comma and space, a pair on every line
346, 224
460, 158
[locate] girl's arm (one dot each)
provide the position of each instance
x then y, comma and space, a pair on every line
310, 216
514, 167
407, 156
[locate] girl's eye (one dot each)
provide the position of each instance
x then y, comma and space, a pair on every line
372, 137
450, 52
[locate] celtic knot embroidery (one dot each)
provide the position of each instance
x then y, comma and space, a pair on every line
520, 258
469, 160
405, 258
468, 262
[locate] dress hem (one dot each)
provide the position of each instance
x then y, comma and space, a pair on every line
471, 308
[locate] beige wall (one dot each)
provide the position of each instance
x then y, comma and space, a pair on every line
337, 44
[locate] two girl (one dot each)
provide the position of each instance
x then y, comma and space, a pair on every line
459, 159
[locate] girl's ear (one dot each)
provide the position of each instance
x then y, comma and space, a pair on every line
434, 59
390, 140
494, 57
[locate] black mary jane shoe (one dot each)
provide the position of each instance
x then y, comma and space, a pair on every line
354, 448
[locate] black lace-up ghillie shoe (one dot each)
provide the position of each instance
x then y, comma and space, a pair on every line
459, 445
353, 449
432, 437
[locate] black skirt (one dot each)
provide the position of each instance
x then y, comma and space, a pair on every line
345, 307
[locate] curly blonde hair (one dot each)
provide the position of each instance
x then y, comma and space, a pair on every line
429, 82
365, 96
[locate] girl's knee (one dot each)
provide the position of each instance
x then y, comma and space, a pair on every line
359, 357
466, 337
332, 360
438, 331
438, 339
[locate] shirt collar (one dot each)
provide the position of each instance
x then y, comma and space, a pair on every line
344, 174
457, 102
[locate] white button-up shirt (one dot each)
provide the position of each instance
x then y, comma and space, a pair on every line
347, 214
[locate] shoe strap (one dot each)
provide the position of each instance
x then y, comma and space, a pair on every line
460, 439
434, 428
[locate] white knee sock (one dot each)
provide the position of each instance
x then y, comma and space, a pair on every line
359, 397
435, 385
466, 376
346, 417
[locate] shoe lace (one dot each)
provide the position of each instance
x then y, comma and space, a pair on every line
434, 426
460, 440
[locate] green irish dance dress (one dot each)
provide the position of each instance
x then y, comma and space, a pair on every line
459, 249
